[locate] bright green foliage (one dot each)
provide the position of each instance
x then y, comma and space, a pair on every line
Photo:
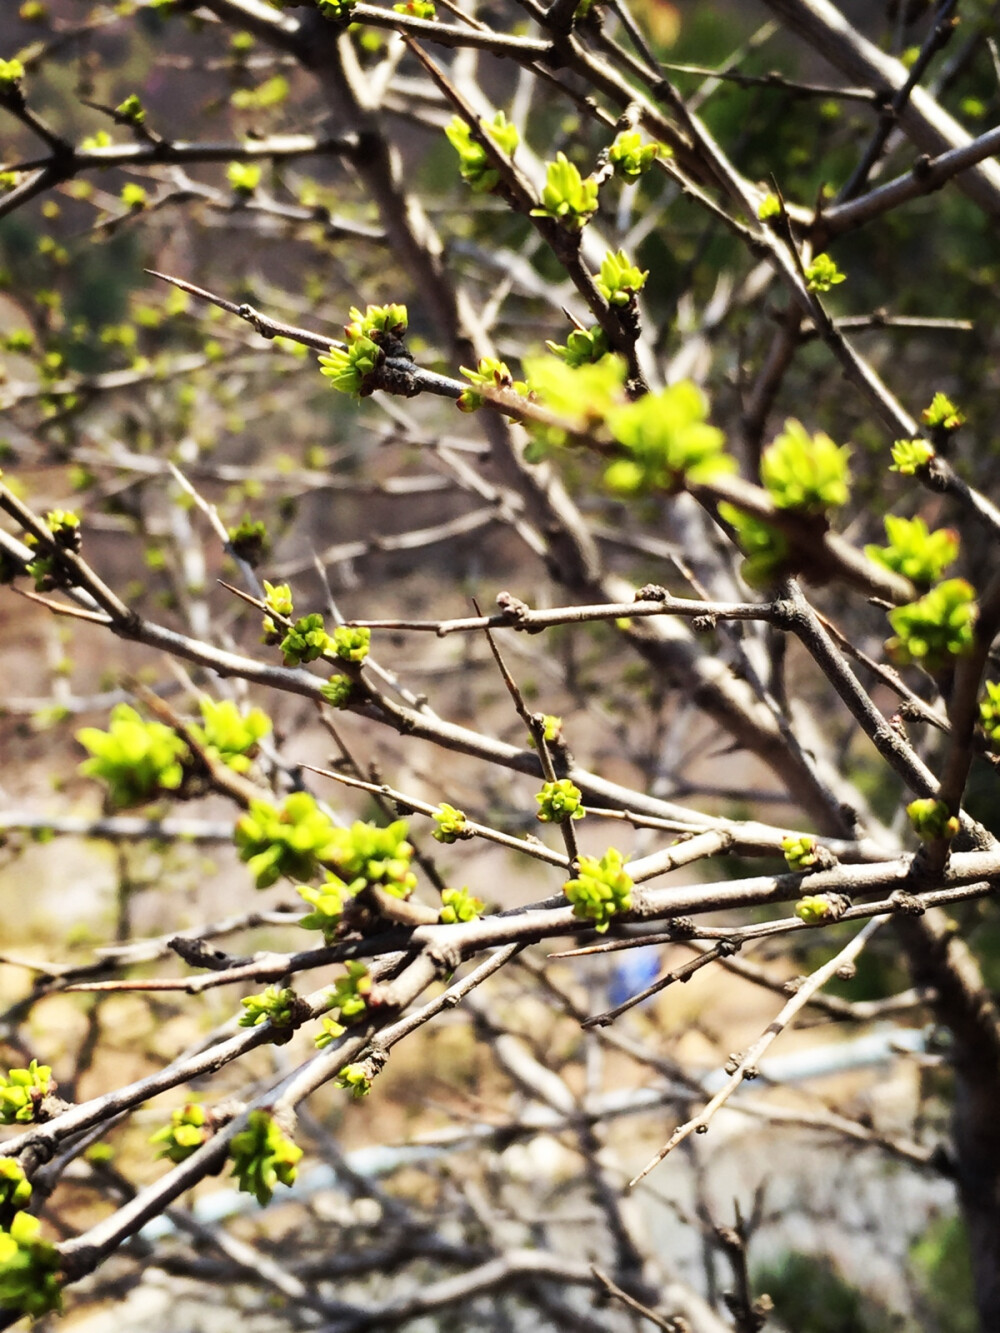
15, 1187
355, 1079
551, 730
582, 397
805, 472
504, 134
328, 903
338, 10
102, 139
602, 889
917, 554
134, 196
243, 177
559, 801
989, 714
770, 208
350, 369
22, 1091
351, 642
417, 9
932, 819
18, 340
766, 549
271, 93
381, 323
64, 525
800, 852
263, 1157
356, 857
459, 905
567, 197
305, 641
338, 691
822, 274
131, 110
909, 456
277, 598
368, 854
370, 336
631, 158
249, 540
29, 1268
813, 908
188, 1128
450, 823
52, 365
138, 760
582, 347
942, 414
348, 1001
668, 442
120, 335
492, 373
939, 626
473, 159
619, 280
11, 74
230, 735
294, 839
275, 1004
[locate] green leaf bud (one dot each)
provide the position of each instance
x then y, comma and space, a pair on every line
243, 177
619, 280
22, 1092
631, 158
29, 1267
351, 642
338, 691
938, 627
189, 1127
805, 472
138, 760
601, 890
931, 819
450, 824
822, 274
919, 555
305, 641
667, 441
559, 801
942, 414
567, 197
263, 1157
459, 905
910, 456
800, 852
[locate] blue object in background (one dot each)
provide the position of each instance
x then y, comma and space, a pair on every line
637, 969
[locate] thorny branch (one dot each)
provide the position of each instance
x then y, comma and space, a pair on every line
718, 649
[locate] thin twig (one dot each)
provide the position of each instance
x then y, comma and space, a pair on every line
746, 1068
